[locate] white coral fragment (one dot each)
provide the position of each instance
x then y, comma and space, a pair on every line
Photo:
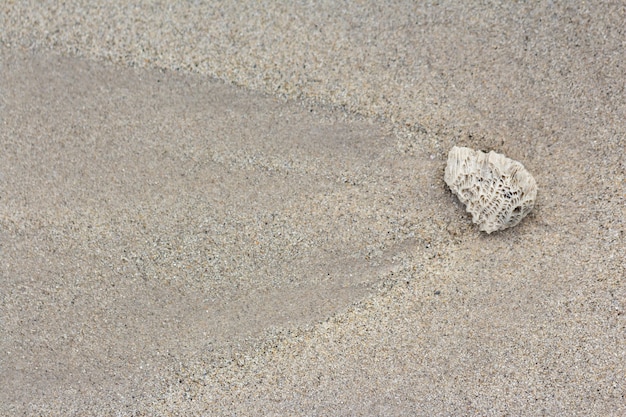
496, 190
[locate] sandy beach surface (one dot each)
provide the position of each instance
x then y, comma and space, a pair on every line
238, 208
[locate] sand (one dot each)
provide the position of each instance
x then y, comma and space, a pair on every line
219, 209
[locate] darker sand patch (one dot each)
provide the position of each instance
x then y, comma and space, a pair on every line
148, 215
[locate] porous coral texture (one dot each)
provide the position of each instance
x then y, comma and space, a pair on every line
498, 192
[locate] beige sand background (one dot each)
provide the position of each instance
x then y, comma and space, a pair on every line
238, 209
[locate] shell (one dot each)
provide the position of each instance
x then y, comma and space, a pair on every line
498, 192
